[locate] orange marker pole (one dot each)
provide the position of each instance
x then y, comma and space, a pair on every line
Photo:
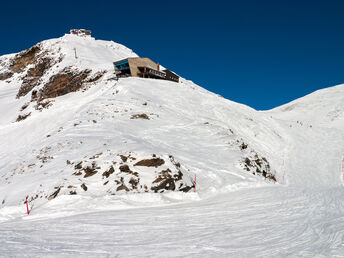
27, 207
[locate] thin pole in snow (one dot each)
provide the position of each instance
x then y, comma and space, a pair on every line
27, 207
195, 184
76, 57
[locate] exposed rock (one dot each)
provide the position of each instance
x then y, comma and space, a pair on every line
140, 116
134, 182
33, 76
24, 106
186, 188
165, 180
124, 158
43, 104
23, 117
243, 146
96, 77
258, 166
5, 76
68, 80
90, 171
122, 187
125, 168
108, 172
54, 194
156, 162
24, 58
78, 166
83, 186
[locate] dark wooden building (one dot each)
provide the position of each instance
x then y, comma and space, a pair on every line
171, 76
142, 67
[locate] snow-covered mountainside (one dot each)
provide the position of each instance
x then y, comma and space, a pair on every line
72, 134
72, 129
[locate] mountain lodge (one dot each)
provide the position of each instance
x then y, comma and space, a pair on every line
81, 32
142, 67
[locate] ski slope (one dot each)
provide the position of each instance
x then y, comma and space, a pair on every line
235, 212
258, 222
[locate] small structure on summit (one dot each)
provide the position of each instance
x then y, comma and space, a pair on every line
142, 67
81, 32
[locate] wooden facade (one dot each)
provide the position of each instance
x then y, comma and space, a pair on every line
171, 76
142, 67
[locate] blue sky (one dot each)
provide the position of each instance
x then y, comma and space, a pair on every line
260, 53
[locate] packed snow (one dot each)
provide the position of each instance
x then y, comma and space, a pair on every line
291, 207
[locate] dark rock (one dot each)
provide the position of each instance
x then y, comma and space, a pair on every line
140, 116
83, 186
166, 184
122, 187
54, 194
68, 80
156, 162
24, 106
23, 117
5, 76
90, 171
24, 58
108, 172
33, 76
78, 166
243, 146
124, 158
125, 168
134, 182
186, 189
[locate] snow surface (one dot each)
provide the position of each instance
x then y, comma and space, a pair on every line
233, 213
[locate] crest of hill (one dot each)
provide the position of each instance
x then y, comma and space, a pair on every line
323, 107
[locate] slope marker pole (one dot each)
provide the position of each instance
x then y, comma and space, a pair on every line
27, 207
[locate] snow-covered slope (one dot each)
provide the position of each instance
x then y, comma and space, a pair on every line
314, 127
216, 178
323, 108
68, 130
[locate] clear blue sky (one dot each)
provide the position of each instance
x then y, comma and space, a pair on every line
260, 53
